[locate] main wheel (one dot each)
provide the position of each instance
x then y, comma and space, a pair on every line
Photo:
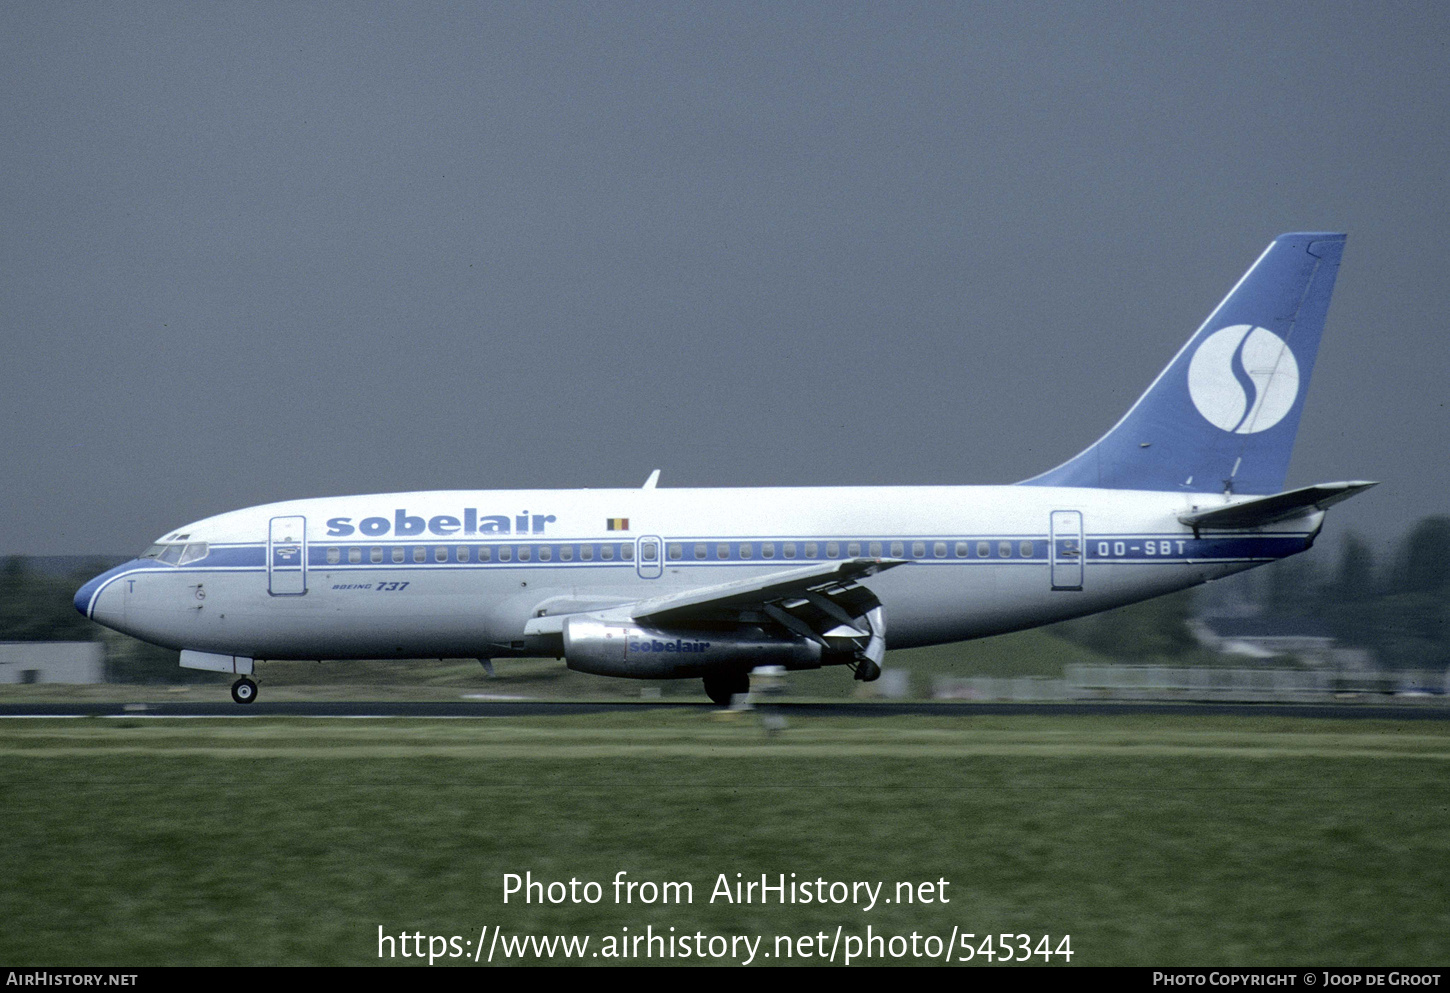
721, 688
244, 690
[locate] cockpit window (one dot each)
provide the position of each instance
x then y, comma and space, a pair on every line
194, 551
173, 553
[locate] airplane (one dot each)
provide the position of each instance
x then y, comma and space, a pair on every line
669, 583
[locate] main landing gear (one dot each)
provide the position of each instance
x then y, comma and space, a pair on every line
723, 687
867, 671
244, 690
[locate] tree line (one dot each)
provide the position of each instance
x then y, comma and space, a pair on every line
38, 604
1397, 609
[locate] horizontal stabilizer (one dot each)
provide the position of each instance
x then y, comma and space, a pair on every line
1279, 507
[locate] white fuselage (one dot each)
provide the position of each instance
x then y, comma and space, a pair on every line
458, 574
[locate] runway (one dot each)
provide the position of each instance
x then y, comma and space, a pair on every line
512, 708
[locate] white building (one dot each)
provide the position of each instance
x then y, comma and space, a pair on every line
52, 662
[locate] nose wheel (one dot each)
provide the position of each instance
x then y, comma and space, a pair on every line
244, 690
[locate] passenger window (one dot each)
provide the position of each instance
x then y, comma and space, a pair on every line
875, 549
354, 555
746, 550
700, 550
440, 554
334, 556
484, 553
833, 549
897, 549
505, 553
1025, 548
649, 552
398, 552
545, 553
810, 549
525, 553
420, 554
853, 549
586, 553
789, 549
722, 551
939, 549
676, 551
626, 552
984, 550
918, 549
566, 553
606, 552
1004, 549
463, 554
767, 550
962, 549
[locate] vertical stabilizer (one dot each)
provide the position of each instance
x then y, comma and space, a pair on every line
1224, 414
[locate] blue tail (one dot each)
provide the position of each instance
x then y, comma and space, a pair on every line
1223, 415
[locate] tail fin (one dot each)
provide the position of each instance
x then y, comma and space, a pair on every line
1223, 415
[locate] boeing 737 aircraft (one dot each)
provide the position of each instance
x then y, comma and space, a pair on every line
657, 583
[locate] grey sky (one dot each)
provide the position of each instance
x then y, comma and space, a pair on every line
259, 251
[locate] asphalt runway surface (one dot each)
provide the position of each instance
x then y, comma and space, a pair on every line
496, 708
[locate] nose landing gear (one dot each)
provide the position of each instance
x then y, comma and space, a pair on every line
244, 690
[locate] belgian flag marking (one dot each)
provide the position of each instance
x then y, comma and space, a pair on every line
619, 524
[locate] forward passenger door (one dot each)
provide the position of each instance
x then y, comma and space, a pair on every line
287, 556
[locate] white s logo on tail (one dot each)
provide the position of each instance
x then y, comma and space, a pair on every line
1243, 379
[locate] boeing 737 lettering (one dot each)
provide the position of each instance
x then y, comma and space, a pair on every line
665, 583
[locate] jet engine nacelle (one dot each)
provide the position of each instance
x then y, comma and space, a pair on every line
613, 648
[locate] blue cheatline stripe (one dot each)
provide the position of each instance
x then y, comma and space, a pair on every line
1142, 548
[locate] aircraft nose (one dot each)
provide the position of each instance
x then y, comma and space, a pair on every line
86, 594
89, 597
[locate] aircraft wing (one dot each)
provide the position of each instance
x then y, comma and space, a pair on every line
811, 601
1272, 509
829, 579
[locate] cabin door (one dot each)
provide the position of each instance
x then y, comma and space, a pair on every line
1067, 549
287, 556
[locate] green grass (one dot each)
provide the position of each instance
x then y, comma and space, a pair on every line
1150, 840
